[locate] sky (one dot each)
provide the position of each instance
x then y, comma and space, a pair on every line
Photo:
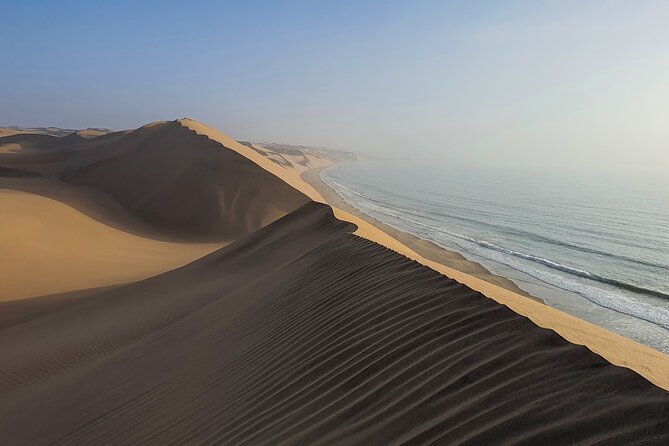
581, 85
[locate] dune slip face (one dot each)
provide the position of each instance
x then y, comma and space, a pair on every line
303, 333
92, 209
172, 178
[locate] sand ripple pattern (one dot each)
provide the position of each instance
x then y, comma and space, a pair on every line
303, 333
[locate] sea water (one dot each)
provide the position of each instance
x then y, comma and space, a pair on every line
593, 246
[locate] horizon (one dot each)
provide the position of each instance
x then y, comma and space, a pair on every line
336, 222
559, 85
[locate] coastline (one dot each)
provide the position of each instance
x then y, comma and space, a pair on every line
618, 350
304, 333
425, 248
314, 327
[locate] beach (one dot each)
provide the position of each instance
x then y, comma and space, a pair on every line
504, 291
285, 316
425, 248
590, 246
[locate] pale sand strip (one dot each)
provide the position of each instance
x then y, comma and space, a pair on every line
618, 350
424, 248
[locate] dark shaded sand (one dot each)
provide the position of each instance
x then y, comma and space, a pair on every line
304, 333
16, 173
175, 180
113, 200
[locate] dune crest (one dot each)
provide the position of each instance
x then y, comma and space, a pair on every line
117, 164
311, 325
303, 333
291, 177
164, 173
90, 209
177, 180
615, 348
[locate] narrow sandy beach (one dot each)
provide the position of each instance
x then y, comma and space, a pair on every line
311, 325
619, 350
650, 363
355, 223
425, 248
304, 333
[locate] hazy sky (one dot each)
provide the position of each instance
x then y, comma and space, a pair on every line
582, 84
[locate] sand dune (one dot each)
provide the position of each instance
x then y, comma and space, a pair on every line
49, 247
299, 158
53, 131
311, 326
617, 349
8, 132
16, 142
289, 176
168, 176
112, 196
177, 180
303, 333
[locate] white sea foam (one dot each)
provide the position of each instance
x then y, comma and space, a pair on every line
599, 290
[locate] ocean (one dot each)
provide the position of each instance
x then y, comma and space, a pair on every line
592, 246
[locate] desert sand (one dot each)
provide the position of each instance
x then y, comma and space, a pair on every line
618, 350
303, 333
180, 184
85, 211
311, 325
50, 247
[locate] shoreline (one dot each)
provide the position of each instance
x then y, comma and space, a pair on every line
616, 349
305, 333
425, 248
652, 364
312, 326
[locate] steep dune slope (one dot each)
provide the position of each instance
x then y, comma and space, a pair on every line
87, 210
302, 333
617, 349
176, 202
289, 176
180, 182
183, 182
298, 332
49, 247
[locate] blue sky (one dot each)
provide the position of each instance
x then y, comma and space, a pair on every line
567, 83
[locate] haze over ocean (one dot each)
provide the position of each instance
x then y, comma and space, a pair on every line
592, 247
569, 84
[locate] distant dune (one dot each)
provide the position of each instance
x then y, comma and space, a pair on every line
128, 205
296, 323
299, 158
168, 176
90, 132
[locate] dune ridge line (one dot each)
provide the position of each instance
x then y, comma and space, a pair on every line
651, 364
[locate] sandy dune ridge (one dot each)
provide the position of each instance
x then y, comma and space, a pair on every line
303, 333
305, 328
619, 350
165, 175
180, 197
